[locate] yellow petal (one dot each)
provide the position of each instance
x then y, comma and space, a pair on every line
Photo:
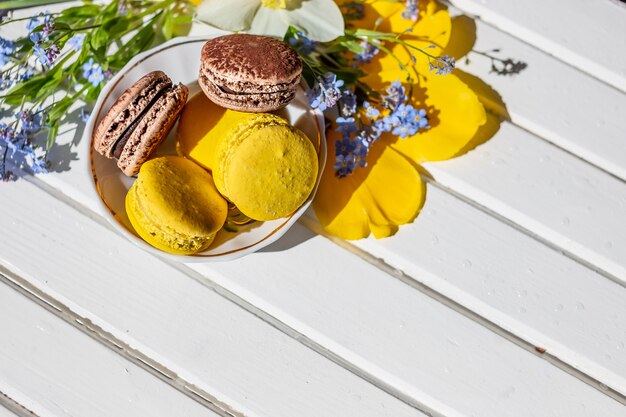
432, 27
454, 109
455, 115
376, 199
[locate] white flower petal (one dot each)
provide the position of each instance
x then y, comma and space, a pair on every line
269, 22
319, 20
233, 15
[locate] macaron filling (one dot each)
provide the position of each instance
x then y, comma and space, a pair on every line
118, 147
122, 126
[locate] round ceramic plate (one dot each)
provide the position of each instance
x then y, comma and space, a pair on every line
180, 59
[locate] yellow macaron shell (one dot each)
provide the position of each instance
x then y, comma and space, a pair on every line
266, 167
201, 127
174, 205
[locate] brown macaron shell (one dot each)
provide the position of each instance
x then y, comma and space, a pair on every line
253, 103
249, 72
152, 129
139, 121
127, 110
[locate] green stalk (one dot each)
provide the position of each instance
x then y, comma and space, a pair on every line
22, 4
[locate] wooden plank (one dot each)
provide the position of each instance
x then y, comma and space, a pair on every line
551, 99
176, 321
397, 337
515, 282
5, 412
551, 193
53, 369
589, 36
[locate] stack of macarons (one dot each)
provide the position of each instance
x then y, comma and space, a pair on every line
230, 148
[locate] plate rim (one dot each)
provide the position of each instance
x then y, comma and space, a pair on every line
111, 216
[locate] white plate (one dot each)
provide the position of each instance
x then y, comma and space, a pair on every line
180, 59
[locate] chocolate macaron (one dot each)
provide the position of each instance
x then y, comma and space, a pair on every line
140, 120
249, 73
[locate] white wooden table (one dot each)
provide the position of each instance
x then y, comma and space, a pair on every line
506, 297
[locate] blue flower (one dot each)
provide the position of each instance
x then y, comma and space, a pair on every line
32, 24
368, 52
88, 67
346, 126
39, 164
35, 37
361, 150
7, 48
326, 92
406, 120
422, 120
31, 122
41, 55
347, 103
76, 41
96, 76
443, 65
344, 146
35, 22
302, 44
371, 112
411, 10
345, 165
395, 95
93, 72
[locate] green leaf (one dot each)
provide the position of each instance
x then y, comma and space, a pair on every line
59, 109
86, 10
176, 25
26, 90
22, 4
99, 38
351, 46
52, 134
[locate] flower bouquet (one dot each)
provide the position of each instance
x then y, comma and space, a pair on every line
381, 72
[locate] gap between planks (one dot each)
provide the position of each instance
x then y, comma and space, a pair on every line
381, 265
14, 407
85, 325
518, 34
535, 236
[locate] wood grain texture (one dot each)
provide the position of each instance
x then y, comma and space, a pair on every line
515, 282
548, 97
176, 321
5, 412
588, 35
426, 351
553, 194
53, 369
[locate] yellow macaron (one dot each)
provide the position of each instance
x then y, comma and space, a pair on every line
174, 205
261, 163
265, 166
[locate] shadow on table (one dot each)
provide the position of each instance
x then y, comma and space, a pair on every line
61, 156
295, 236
